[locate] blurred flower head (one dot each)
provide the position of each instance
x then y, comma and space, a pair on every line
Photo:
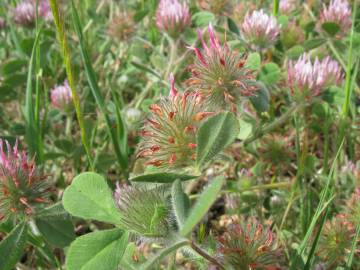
122, 26
143, 211
61, 97
335, 241
287, 6
338, 12
352, 208
22, 188
169, 136
260, 30
45, 10
218, 7
2, 23
249, 245
308, 79
220, 75
24, 13
172, 17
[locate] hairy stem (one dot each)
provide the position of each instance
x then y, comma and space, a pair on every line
205, 255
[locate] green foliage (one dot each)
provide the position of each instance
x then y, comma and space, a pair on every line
12, 246
203, 204
162, 177
214, 135
180, 203
90, 197
97, 250
55, 225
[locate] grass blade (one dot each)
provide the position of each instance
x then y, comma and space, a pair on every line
121, 152
59, 23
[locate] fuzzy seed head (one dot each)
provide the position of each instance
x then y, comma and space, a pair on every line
338, 12
122, 27
22, 188
169, 135
353, 207
219, 74
2, 23
249, 246
336, 241
172, 17
307, 78
260, 30
143, 211
61, 97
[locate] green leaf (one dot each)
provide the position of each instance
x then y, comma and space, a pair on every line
331, 28
97, 250
180, 203
203, 204
127, 261
203, 18
313, 43
270, 74
13, 66
59, 233
162, 253
232, 26
55, 225
253, 61
11, 247
214, 135
89, 197
295, 52
162, 177
115, 136
261, 101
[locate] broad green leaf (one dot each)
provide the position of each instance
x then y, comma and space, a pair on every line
11, 247
214, 135
295, 52
203, 18
162, 177
253, 61
203, 204
270, 74
97, 250
180, 203
245, 129
261, 99
171, 247
331, 28
89, 197
55, 225
232, 26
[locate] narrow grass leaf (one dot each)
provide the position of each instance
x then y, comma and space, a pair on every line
121, 154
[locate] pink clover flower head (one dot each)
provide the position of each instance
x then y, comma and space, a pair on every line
260, 30
61, 97
311, 78
172, 16
339, 12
